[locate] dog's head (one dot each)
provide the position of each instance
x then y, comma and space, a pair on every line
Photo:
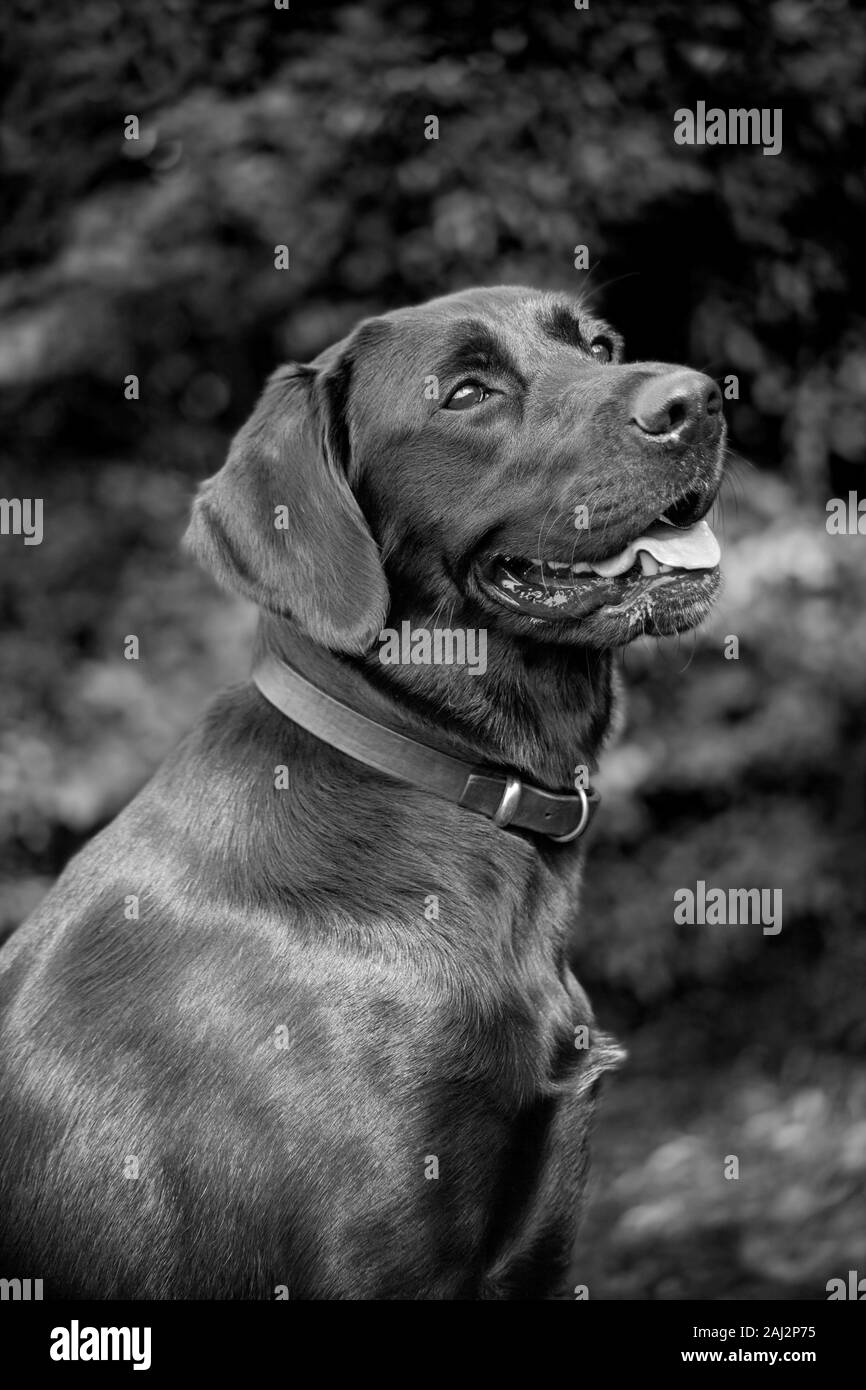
487, 456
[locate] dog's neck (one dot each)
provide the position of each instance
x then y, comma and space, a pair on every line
541, 709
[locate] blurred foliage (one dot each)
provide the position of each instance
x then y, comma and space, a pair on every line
305, 127
261, 127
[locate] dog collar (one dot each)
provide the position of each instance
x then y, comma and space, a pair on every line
502, 796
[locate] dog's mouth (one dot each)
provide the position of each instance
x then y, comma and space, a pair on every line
663, 572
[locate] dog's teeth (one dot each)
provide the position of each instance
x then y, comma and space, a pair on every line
648, 563
667, 521
666, 569
581, 568
557, 565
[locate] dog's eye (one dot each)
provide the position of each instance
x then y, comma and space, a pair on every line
466, 395
601, 349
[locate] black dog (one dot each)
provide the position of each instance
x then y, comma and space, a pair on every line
292, 1025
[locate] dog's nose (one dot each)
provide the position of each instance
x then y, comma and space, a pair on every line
678, 406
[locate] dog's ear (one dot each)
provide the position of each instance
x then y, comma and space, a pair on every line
279, 522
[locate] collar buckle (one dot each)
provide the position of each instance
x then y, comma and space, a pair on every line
581, 824
507, 808
502, 796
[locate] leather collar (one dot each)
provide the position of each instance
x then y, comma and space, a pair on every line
499, 794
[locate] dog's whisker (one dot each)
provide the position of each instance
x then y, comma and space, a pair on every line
553, 524
606, 284
694, 641
541, 539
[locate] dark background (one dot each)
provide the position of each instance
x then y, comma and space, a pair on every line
262, 127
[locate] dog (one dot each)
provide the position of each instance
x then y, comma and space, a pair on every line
301, 1021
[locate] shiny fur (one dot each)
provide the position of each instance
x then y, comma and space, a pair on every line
334, 991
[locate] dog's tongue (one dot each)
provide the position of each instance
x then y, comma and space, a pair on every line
694, 548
